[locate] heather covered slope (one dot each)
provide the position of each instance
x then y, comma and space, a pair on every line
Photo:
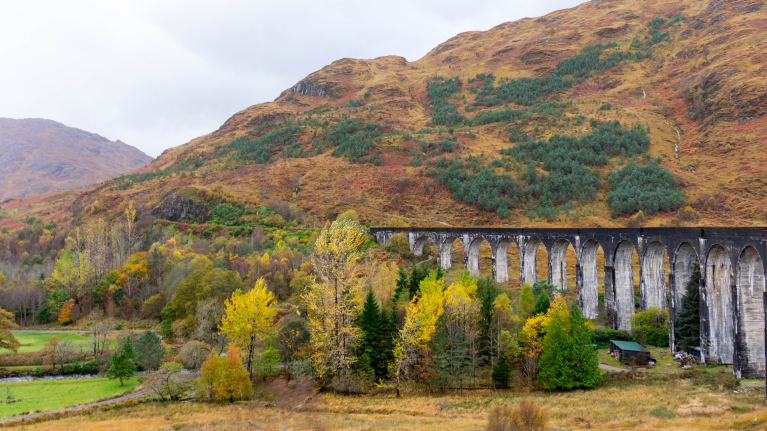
510, 126
42, 156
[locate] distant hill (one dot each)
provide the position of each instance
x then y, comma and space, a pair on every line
513, 126
40, 156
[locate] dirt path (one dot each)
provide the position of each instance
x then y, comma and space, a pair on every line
134, 395
612, 369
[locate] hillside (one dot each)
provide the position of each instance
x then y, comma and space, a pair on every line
42, 156
510, 126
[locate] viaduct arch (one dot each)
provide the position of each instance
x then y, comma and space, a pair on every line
733, 262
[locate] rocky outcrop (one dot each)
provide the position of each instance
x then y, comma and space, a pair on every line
179, 208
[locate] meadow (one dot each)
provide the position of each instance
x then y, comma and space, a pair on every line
43, 395
33, 342
646, 402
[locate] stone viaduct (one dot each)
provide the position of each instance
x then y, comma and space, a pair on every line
732, 261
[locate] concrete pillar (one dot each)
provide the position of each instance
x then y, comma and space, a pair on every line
530, 262
720, 308
749, 308
587, 282
624, 284
501, 254
652, 278
558, 264
611, 310
671, 311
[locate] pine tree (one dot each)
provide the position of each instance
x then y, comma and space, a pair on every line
369, 345
542, 304
687, 322
502, 373
584, 363
389, 332
149, 351
555, 367
123, 361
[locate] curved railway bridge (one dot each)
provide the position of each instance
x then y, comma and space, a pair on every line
732, 287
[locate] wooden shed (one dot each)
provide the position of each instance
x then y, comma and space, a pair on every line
627, 350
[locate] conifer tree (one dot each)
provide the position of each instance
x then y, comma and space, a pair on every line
123, 361
584, 363
555, 368
149, 351
687, 322
372, 331
542, 304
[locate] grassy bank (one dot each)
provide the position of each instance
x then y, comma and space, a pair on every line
55, 394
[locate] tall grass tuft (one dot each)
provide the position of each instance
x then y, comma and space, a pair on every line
526, 416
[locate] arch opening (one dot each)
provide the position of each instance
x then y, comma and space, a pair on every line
424, 243
625, 259
588, 295
720, 310
750, 287
653, 283
507, 257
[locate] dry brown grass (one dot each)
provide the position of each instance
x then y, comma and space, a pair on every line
617, 404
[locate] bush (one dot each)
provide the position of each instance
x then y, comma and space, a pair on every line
193, 354
651, 327
662, 412
602, 335
348, 382
527, 416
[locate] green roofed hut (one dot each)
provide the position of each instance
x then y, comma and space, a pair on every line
628, 350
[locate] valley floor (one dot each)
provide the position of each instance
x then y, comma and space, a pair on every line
619, 403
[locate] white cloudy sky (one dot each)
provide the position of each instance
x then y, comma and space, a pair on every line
157, 73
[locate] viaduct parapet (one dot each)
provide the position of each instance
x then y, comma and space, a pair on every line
732, 287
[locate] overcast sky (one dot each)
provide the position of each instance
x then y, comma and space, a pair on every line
156, 74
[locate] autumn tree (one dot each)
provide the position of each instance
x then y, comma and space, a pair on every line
248, 319
65, 314
7, 340
334, 300
235, 380
421, 317
225, 379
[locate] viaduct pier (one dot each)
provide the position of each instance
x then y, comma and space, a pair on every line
732, 286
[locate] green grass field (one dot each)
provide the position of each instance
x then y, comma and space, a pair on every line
56, 394
32, 342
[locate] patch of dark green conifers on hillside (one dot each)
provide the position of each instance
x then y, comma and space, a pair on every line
544, 178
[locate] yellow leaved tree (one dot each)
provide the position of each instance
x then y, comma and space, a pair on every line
7, 340
335, 298
421, 319
249, 319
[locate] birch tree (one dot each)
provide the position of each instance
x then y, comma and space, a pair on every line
335, 298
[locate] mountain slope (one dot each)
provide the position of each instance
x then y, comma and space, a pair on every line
510, 126
40, 156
